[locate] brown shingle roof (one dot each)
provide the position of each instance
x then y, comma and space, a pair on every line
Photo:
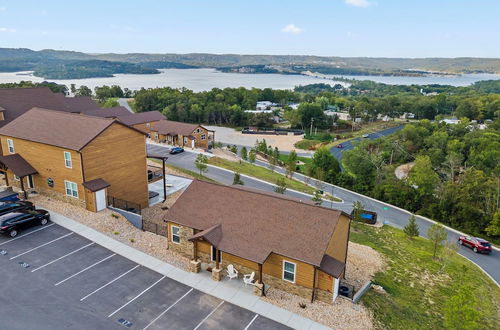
61, 129
332, 266
166, 127
254, 224
17, 164
108, 112
141, 117
96, 184
78, 103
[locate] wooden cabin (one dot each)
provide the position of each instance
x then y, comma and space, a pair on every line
181, 134
143, 121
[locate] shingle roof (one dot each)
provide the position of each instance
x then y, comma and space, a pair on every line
252, 224
166, 127
108, 112
96, 184
78, 103
141, 117
17, 164
61, 129
332, 266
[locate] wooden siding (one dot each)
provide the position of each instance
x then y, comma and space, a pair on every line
203, 247
90, 198
118, 155
145, 127
232, 259
199, 143
304, 273
325, 281
338, 243
49, 162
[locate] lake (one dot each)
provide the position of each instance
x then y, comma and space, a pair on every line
206, 79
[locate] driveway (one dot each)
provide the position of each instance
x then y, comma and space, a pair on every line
53, 278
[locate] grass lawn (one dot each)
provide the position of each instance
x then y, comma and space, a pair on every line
187, 172
305, 160
262, 173
422, 293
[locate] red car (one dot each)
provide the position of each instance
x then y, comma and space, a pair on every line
477, 244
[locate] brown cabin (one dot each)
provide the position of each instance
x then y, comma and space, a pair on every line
83, 159
289, 244
144, 121
181, 134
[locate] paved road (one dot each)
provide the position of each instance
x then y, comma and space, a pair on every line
390, 215
123, 102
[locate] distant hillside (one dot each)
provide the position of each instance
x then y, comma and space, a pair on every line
54, 64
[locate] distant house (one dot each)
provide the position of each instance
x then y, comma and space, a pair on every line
114, 112
288, 244
450, 121
408, 115
263, 105
340, 115
81, 159
143, 121
181, 134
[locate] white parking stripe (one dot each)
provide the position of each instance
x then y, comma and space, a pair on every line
105, 285
249, 324
165, 311
85, 269
206, 317
140, 294
31, 232
64, 256
40, 246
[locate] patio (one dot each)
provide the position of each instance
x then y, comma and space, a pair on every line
174, 184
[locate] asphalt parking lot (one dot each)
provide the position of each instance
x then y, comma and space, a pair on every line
53, 278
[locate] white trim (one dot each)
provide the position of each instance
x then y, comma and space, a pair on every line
70, 160
71, 188
30, 183
294, 271
17, 178
212, 253
336, 283
172, 234
203, 137
10, 146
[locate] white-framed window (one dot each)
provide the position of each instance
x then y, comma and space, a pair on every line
71, 189
30, 181
10, 145
203, 137
176, 234
289, 270
148, 125
16, 178
185, 140
213, 254
67, 159
198, 130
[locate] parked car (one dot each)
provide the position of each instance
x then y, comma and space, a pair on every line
12, 223
176, 150
366, 136
340, 145
7, 207
477, 244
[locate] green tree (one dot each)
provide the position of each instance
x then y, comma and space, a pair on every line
280, 185
423, 176
436, 234
291, 163
252, 156
324, 161
201, 162
494, 227
83, 91
411, 229
357, 210
317, 198
237, 179
244, 153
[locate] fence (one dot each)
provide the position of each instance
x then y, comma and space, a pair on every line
124, 205
158, 229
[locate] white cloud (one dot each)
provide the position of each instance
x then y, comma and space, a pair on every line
292, 28
358, 3
3, 29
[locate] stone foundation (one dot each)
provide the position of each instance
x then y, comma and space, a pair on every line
60, 197
195, 266
288, 287
185, 247
257, 289
217, 274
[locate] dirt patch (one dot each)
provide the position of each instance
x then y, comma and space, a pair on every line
402, 171
225, 154
156, 212
362, 263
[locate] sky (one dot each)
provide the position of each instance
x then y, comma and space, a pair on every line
378, 28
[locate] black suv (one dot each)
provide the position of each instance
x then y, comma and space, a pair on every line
12, 223
7, 207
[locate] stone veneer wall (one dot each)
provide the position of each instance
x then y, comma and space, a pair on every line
53, 194
287, 286
185, 247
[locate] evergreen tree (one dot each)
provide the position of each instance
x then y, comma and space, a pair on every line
280, 185
237, 179
411, 229
317, 198
244, 153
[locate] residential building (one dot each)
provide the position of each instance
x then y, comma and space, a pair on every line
340, 115
289, 244
181, 134
81, 159
114, 112
143, 121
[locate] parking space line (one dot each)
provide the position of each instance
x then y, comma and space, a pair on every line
105, 285
206, 317
85, 269
31, 232
165, 311
249, 324
41, 246
140, 294
64, 256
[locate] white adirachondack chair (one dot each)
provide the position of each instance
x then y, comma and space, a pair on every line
248, 278
231, 272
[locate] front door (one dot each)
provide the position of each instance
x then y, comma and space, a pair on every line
100, 200
31, 182
192, 143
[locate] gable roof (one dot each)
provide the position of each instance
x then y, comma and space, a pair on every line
113, 112
169, 127
78, 103
60, 129
252, 225
141, 117
17, 164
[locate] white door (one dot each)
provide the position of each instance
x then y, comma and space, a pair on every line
192, 144
100, 200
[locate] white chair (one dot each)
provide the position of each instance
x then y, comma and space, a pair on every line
248, 278
231, 272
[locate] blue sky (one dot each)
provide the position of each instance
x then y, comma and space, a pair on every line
382, 28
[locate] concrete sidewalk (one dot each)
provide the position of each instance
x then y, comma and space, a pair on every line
225, 290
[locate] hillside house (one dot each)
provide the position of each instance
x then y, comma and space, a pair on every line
181, 134
289, 244
82, 159
143, 121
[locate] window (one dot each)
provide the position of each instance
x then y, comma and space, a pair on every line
185, 140
71, 189
213, 254
67, 159
203, 137
176, 237
289, 271
31, 183
16, 177
197, 130
10, 144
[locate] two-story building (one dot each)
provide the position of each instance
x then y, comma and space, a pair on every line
82, 159
181, 134
289, 244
